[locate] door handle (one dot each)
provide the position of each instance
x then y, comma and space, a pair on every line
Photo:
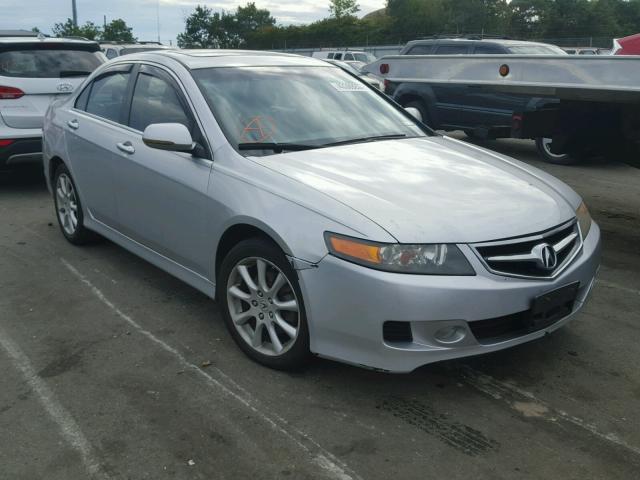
73, 124
126, 147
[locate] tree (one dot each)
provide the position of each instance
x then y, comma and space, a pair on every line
250, 19
35, 30
67, 29
343, 8
208, 29
117, 31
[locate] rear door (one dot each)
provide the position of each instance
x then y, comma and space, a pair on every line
93, 129
38, 73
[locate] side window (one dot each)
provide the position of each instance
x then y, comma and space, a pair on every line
107, 96
337, 56
489, 50
452, 49
81, 101
156, 101
420, 50
348, 56
111, 53
329, 55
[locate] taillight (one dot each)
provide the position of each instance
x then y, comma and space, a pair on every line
10, 93
5, 142
384, 68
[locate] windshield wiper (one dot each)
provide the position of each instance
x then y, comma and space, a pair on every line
372, 138
74, 73
276, 147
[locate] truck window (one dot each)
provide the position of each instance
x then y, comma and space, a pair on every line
337, 56
329, 55
348, 56
452, 50
420, 50
488, 50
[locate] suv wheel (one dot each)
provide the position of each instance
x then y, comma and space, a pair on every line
262, 305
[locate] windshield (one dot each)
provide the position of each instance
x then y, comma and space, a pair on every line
31, 63
303, 106
536, 50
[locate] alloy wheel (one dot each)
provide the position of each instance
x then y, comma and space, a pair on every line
263, 306
67, 204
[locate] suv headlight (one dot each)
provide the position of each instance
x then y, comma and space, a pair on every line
584, 219
425, 259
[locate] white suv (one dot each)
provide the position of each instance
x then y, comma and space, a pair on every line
34, 71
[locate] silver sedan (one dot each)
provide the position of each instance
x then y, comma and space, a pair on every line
323, 218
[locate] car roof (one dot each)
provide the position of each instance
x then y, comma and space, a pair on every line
43, 39
500, 41
194, 59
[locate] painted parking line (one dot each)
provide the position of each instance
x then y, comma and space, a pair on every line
528, 405
68, 426
332, 466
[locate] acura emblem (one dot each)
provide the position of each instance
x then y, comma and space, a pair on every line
545, 256
64, 87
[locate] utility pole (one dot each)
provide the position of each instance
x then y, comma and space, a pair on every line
158, 19
75, 13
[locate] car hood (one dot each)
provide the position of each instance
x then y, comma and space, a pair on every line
430, 189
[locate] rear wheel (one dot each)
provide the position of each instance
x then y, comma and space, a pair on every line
262, 305
544, 149
69, 209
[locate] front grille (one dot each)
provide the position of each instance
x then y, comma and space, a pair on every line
397, 332
524, 256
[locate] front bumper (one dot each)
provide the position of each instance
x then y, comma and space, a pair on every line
347, 305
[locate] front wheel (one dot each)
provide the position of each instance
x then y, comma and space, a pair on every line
544, 149
262, 305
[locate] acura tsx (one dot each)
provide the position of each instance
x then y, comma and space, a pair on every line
322, 217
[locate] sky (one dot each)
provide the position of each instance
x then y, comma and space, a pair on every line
142, 14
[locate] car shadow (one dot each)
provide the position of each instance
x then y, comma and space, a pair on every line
22, 180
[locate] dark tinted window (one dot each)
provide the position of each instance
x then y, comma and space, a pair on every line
420, 50
31, 63
489, 50
337, 56
329, 55
348, 56
128, 50
452, 49
107, 96
156, 101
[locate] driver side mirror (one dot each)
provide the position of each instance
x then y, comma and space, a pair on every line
174, 137
414, 112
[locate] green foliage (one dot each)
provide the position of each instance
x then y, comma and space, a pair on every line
343, 8
67, 29
117, 31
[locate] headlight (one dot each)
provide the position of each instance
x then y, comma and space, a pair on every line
427, 259
584, 219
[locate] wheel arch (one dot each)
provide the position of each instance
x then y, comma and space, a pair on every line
243, 229
54, 163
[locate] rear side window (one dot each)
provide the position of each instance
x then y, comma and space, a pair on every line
50, 63
337, 56
489, 50
107, 96
452, 50
156, 101
348, 56
329, 55
421, 50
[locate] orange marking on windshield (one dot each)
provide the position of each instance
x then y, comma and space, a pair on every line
258, 130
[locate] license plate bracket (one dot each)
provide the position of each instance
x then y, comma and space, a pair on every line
551, 306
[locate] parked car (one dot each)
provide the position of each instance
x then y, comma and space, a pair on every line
34, 71
479, 114
354, 57
322, 217
367, 77
113, 50
582, 51
627, 45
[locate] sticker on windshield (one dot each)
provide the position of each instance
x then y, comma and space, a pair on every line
349, 86
258, 129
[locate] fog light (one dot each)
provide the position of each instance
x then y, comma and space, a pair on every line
449, 335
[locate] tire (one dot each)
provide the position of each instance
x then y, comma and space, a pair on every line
268, 305
543, 146
68, 208
420, 106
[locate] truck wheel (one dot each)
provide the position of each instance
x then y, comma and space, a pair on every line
417, 104
544, 149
